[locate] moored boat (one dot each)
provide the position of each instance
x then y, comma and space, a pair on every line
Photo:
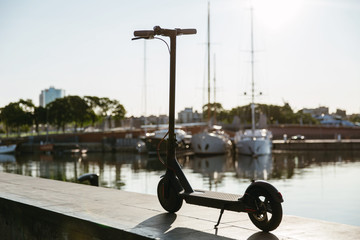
253, 142
8, 148
210, 142
153, 139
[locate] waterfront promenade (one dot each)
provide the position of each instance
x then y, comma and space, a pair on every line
35, 208
317, 144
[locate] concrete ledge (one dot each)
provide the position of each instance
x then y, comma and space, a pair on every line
34, 208
22, 221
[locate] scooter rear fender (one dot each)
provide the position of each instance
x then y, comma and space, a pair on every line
268, 187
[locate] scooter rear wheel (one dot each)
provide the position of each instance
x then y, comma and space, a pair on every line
171, 201
269, 214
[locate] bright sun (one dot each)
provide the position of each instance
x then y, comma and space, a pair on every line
276, 14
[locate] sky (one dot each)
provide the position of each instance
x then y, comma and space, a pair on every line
307, 52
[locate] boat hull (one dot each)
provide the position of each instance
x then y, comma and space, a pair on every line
7, 148
210, 143
253, 142
253, 147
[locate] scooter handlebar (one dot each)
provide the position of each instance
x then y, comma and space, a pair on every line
164, 32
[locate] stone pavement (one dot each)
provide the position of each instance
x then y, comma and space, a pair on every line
141, 216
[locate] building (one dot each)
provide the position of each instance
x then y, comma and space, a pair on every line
316, 111
49, 95
188, 116
341, 113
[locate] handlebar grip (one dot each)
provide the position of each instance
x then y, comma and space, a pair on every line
144, 33
187, 31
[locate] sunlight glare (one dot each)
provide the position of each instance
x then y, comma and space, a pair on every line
274, 15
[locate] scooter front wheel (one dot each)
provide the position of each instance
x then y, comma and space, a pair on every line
268, 213
168, 197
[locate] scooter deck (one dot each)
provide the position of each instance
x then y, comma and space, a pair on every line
214, 199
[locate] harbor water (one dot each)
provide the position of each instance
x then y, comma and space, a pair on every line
314, 184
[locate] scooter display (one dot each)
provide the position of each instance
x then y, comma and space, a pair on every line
261, 201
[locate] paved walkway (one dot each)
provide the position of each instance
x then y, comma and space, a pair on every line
142, 214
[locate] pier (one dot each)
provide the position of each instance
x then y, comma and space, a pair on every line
36, 208
317, 144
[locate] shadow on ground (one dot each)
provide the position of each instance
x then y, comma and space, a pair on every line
164, 226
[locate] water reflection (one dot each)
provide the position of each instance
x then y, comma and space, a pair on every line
253, 167
211, 168
286, 164
322, 176
4, 158
116, 169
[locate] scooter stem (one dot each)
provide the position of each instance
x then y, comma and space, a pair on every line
172, 163
172, 139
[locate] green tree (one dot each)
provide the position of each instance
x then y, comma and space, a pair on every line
40, 117
243, 112
275, 114
10, 115
106, 108
80, 112
355, 118
118, 111
306, 118
59, 114
28, 108
17, 115
214, 108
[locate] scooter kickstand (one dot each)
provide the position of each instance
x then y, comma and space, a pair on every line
218, 222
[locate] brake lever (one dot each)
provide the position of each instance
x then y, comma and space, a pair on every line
137, 38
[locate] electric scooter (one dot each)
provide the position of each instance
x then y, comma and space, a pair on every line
261, 200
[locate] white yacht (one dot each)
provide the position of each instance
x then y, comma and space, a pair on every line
253, 142
210, 142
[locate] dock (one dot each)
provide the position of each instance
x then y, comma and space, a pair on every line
317, 144
36, 208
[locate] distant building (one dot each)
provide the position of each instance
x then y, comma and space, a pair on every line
152, 121
188, 116
49, 95
341, 113
157, 120
316, 111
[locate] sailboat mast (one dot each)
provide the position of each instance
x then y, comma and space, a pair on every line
214, 89
144, 89
208, 56
252, 75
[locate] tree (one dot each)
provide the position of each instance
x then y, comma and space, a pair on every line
275, 114
59, 114
355, 118
40, 117
17, 115
117, 111
80, 112
106, 108
215, 110
71, 109
243, 112
28, 108
10, 115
